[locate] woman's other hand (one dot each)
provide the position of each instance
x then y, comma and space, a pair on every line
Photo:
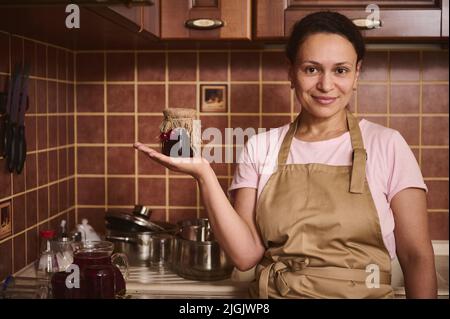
196, 167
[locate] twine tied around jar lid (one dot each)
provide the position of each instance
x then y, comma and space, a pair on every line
182, 118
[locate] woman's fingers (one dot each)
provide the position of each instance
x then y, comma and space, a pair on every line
143, 148
177, 164
161, 158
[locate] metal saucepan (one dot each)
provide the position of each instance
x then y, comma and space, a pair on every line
196, 255
145, 243
144, 248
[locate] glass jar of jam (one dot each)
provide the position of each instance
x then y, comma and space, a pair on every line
177, 136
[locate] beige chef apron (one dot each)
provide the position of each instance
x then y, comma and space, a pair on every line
321, 230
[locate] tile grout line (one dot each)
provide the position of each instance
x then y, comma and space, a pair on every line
75, 128
48, 135
370, 48
237, 82
67, 134
50, 114
37, 147
228, 52
58, 173
244, 114
25, 180
201, 207
136, 130
166, 106
197, 109
189, 177
105, 130
127, 145
11, 179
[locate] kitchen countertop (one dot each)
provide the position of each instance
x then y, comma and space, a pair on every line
144, 283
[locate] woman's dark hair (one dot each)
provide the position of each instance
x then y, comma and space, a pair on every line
324, 22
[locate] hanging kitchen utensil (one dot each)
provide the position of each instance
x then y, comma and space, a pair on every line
20, 140
14, 141
12, 98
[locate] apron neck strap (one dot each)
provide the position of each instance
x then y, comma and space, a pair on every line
358, 175
286, 145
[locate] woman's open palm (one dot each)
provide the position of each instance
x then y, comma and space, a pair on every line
191, 166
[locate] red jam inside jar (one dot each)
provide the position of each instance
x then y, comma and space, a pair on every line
176, 144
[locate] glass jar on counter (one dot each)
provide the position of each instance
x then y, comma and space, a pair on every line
47, 263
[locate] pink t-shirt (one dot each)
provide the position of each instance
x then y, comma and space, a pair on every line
391, 165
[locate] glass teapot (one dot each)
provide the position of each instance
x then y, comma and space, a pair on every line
102, 274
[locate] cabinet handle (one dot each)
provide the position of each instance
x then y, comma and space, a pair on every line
204, 24
142, 20
367, 24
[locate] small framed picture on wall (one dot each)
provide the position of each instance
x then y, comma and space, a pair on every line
213, 98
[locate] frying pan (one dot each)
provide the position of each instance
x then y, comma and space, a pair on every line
14, 140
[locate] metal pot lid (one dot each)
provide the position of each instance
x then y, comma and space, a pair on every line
137, 220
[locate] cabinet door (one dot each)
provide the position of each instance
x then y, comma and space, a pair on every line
142, 20
235, 15
415, 19
146, 18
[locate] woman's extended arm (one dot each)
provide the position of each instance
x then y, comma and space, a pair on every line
234, 228
414, 249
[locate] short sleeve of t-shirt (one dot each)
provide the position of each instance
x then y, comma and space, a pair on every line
404, 171
246, 172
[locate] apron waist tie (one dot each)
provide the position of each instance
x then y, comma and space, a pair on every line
300, 267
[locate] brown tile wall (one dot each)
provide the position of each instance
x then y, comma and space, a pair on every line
121, 98
43, 194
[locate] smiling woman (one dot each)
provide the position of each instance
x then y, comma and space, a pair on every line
322, 205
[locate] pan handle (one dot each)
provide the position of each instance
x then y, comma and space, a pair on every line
120, 238
21, 149
12, 147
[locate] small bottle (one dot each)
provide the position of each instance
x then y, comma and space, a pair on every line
63, 248
47, 264
62, 233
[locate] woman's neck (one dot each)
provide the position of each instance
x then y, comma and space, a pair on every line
312, 129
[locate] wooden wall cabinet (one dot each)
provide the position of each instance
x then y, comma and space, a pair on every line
140, 18
400, 20
115, 27
235, 15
